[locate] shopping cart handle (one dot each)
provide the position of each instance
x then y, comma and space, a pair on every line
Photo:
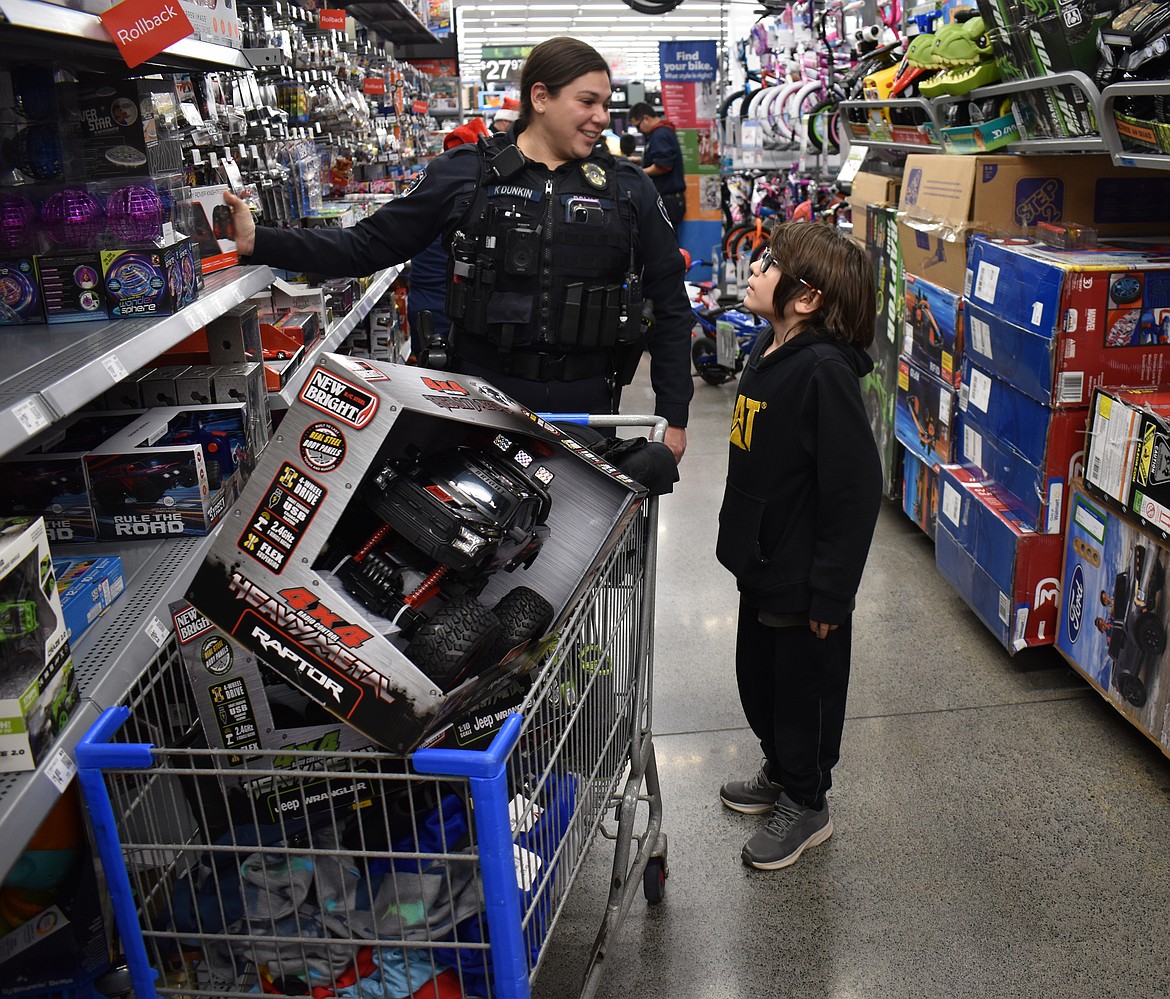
95, 751
565, 417
472, 762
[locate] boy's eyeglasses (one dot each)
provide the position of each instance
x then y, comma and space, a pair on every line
767, 260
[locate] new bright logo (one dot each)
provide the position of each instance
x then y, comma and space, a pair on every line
1076, 603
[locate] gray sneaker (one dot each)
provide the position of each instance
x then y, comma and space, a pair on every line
791, 829
754, 796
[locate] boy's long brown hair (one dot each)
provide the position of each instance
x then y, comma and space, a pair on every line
835, 265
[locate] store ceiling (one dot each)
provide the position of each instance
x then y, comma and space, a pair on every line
629, 40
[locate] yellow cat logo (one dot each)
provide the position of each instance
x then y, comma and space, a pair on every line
743, 420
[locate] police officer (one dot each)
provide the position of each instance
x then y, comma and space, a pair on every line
557, 249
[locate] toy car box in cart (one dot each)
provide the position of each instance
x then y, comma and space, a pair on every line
1114, 618
246, 709
1057, 323
1006, 573
38, 690
1029, 451
406, 541
1127, 455
173, 471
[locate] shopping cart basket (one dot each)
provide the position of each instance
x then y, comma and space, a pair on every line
368, 875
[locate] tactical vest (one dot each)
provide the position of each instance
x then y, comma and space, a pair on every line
548, 264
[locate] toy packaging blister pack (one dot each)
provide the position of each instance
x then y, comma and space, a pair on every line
408, 543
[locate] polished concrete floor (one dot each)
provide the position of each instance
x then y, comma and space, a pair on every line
1000, 830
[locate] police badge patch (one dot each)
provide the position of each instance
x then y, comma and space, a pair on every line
417, 179
594, 174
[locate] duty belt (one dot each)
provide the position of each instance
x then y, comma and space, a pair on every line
533, 367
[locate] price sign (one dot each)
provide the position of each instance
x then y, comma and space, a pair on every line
502, 70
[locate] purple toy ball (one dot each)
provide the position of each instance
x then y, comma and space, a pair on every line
135, 213
17, 216
72, 218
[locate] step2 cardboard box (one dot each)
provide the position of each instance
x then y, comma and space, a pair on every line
1006, 573
1024, 448
933, 336
1058, 323
1127, 457
1114, 616
308, 575
924, 413
945, 199
38, 689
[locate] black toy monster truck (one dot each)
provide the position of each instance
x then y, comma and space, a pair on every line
449, 521
1139, 636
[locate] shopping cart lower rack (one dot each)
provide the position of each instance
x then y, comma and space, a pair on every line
367, 875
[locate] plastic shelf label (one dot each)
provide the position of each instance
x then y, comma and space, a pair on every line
31, 415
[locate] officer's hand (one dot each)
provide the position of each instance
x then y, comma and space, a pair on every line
676, 440
243, 225
820, 629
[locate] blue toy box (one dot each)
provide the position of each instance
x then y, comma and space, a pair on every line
1113, 616
1057, 323
933, 328
87, 586
924, 413
920, 493
1027, 450
1005, 572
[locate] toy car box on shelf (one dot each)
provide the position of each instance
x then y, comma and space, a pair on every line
304, 327
933, 328
234, 337
283, 354
947, 198
1057, 323
38, 690
1127, 454
289, 297
396, 505
1114, 617
207, 220
160, 387
879, 387
244, 382
48, 478
246, 709
1005, 572
86, 587
1024, 448
920, 493
196, 386
20, 294
173, 471
924, 413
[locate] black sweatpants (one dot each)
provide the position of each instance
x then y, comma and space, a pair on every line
793, 687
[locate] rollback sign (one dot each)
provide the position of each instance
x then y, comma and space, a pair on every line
141, 29
341, 399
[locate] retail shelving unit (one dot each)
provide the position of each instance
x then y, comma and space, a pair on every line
337, 332
56, 370
1114, 142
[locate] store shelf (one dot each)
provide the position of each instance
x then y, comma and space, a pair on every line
392, 20
336, 333
61, 30
1073, 144
56, 370
107, 661
884, 135
1114, 142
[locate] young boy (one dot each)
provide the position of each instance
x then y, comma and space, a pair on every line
802, 498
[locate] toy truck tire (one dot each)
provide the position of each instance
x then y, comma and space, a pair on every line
448, 645
523, 615
1132, 689
1150, 634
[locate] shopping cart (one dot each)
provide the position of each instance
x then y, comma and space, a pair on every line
364, 874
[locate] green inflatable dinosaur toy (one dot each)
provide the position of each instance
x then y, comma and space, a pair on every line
962, 54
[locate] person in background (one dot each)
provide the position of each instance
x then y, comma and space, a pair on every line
629, 147
804, 485
507, 114
558, 250
662, 160
428, 270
